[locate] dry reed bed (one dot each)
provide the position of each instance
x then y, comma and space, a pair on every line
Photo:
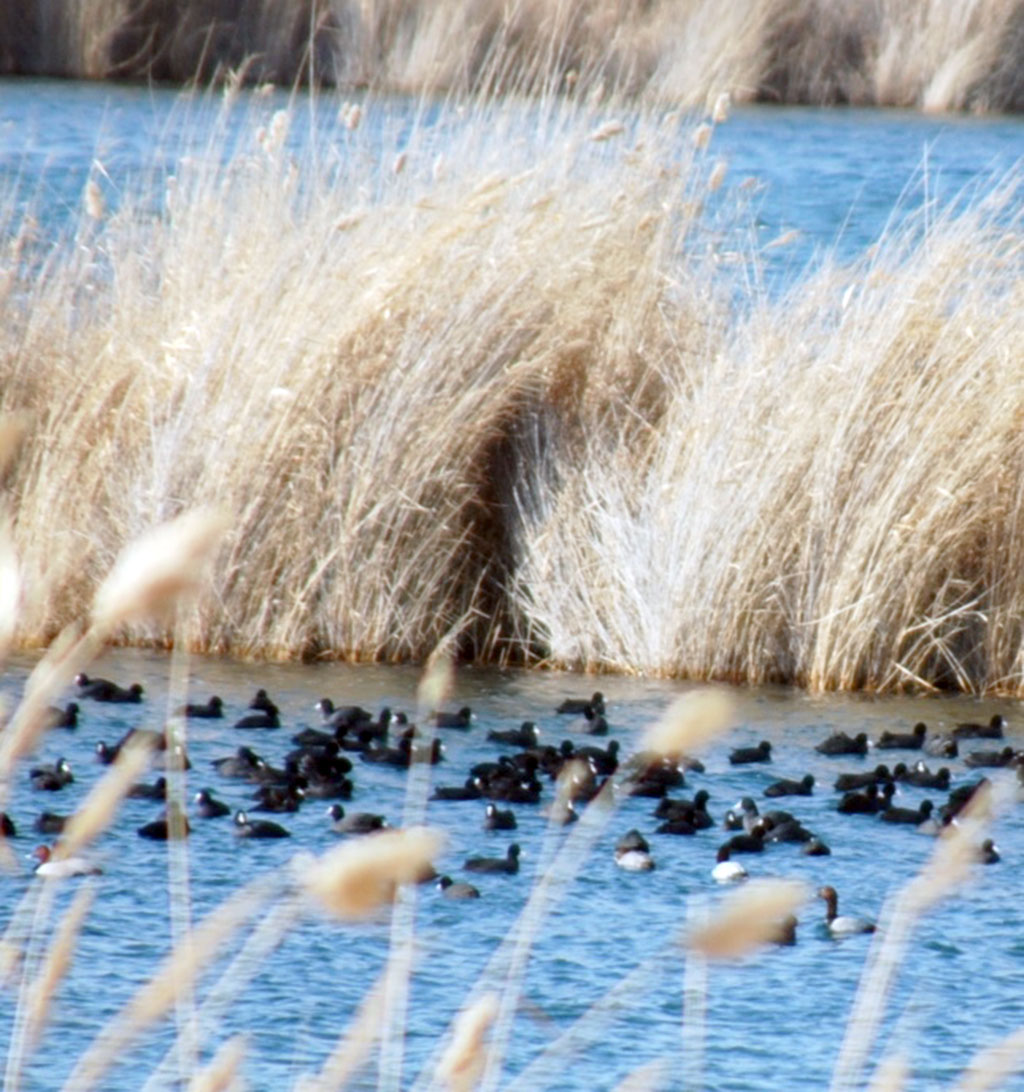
930, 54
487, 385
351, 363
834, 500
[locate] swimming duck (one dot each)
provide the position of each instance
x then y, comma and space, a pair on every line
694, 811
344, 716
49, 822
470, 790
869, 802
841, 925
283, 798
941, 746
213, 709
633, 853
245, 764
746, 843
105, 690
847, 782
161, 830
143, 791
208, 806
450, 889
991, 759
603, 761
260, 718
839, 743
787, 787
507, 865
993, 730
911, 740
647, 768
727, 870
761, 753
262, 701
909, 816
988, 852
63, 718
52, 868
923, 778
360, 822
258, 828
497, 819
52, 778
589, 722
461, 719
526, 735
580, 706
741, 816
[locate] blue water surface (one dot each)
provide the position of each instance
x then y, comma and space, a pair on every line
775, 1020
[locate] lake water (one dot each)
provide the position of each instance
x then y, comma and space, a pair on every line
774, 1022
835, 176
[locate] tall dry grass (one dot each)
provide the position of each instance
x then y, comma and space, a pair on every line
506, 382
353, 361
832, 497
931, 54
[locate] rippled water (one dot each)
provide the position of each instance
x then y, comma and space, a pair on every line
772, 1022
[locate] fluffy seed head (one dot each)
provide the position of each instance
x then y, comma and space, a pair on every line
748, 919
606, 131
690, 722
437, 683
158, 568
717, 176
462, 1064
354, 879
94, 203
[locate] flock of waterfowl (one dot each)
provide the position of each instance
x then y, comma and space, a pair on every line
323, 764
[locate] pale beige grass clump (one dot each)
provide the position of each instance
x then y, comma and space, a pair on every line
355, 367
830, 500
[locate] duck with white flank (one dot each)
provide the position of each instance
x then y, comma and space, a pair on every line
727, 870
633, 853
841, 925
54, 867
